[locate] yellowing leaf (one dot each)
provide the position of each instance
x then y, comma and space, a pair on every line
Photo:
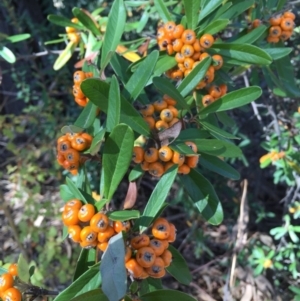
129, 55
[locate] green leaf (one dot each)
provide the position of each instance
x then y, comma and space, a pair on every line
163, 64
178, 268
7, 54
225, 119
97, 141
88, 281
190, 134
204, 196
112, 268
157, 198
165, 86
192, 9
139, 78
219, 166
215, 26
252, 36
208, 6
278, 53
93, 295
117, 155
162, 10
114, 105
86, 259
17, 38
23, 269
233, 100
64, 22
65, 193
114, 29
166, 295
64, 56
86, 20
214, 129
237, 8
123, 215
71, 129
194, 77
244, 53
135, 173
97, 91
87, 116
79, 193
150, 285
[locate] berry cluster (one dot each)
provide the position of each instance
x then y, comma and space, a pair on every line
214, 93
281, 27
69, 147
78, 77
72, 32
189, 51
148, 257
90, 228
7, 290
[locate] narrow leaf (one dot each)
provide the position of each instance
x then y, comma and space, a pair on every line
112, 268
157, 198
207, 7
117, 155
114, 105
123, 215
64, 56
114, 29
162, 10
233, 100
87, 116
192, 9
204, 196
139, 78
7, 54
163, 295
86, 20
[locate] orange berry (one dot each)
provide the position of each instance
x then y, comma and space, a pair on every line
170, 49
138, 154
80, 144
276, 20
78, 77
157, 245
161, 33
170, 26
134, 268
165, 153
63, 146
102, 246
145, 257
156, 169
177, 45
121, 226
188, 63
166, 115
159, 105
81, 101
187, 50
74, 37
217, 61
188, 37
285, 35
215, 91
150, 121
169, 100
70, 217
178, 158
191, 161
147, 110
72, 156
73, 204
172, 235
88, 245
275, 31
179, 57
88, 235
192, 146
161, 228
106, 235
145, 165
207, 100
206, 41
86, 212
13, 269
163, 43
197, 46
74, 232
289, 14
287, 24
157, 270
177, 75
139, 241
77, 92
88, 138
184, 169
203, 56
151, 155
174, 111
6, 282
256, 23
11, 294
272, 39
196, 56
178, 31
223, 88
168, 165
99, 222
167, 258
128, 254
